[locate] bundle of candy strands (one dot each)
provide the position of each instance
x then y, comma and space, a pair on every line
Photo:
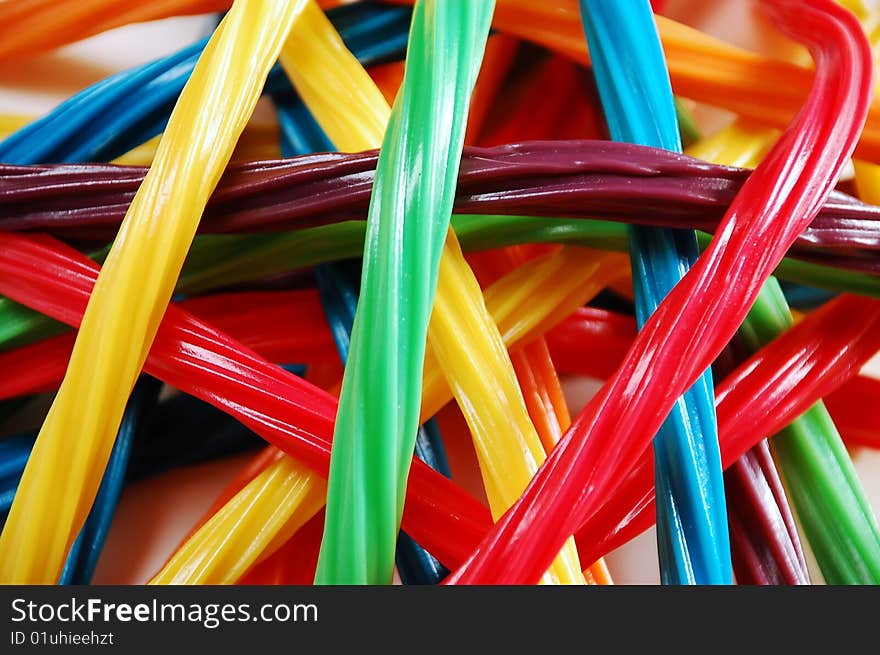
371, 255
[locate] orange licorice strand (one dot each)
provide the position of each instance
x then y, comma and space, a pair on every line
499, 58
701, 68
28, 27
537, 377
388, 78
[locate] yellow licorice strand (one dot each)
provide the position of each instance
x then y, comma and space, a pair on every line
134, 287
10, 123
868, 16
258, 141
323, 71
867, 181
353, 113
530, 300
339, 93
486, 388
256, 521
739, 144
313, 52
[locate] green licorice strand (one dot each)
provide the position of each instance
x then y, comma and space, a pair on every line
220, 260
687, 126
20, 325
819, 476
829, 500
216, 261
409, 215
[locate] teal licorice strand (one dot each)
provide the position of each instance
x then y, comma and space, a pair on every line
85, 551
409, 215
831, 505
630, 71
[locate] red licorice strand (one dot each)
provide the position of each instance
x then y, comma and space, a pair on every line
853, 407
539, 104
588, 326
39, 366
774, 558
591, 342
285, 410
294, 563
285, 327
702, 312
798, 368
763, 395
257, 465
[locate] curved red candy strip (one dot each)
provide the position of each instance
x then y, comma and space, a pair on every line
266, 322
763, 395
284, 409
701, 313
591, 342
854, 410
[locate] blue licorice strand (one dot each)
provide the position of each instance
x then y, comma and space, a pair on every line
805, 297
628, 64
360, 29
184, 431
121, 112
14, 452
86, 549
337, 287
300, 133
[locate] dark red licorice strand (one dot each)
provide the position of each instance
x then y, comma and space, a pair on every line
767, 548
198, 359
763, 395
702, 312
262, 321
746, 556
578, 179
